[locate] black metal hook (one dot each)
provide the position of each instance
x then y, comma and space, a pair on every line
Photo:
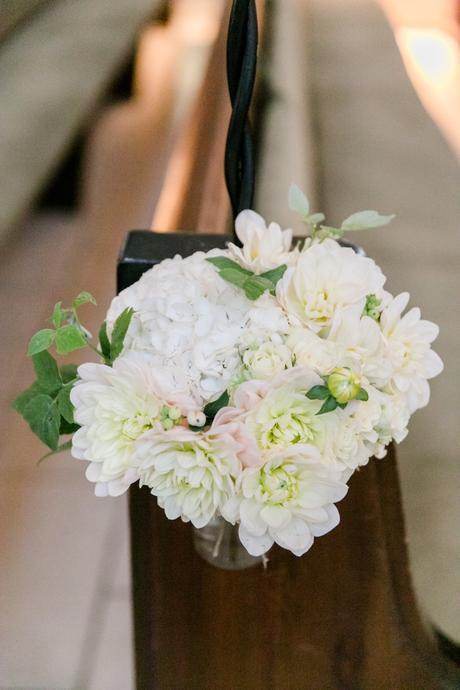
241, 69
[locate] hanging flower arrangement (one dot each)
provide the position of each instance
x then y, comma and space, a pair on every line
248, 383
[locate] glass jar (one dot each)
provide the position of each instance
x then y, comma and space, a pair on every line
218, 543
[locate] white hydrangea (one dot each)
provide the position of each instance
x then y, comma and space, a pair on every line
192, 474
288, 500
263, 247
326, 278
189, 319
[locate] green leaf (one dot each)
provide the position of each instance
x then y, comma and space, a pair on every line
43, 417
41, 341
318, 393
255, 286
212, 408
328, 231
222, 262
329, 405
26, 396
363, 220
104, 342
234, 277
58, 315
275, 274
83, 298
69, 372
65, 407
48, 375
64, 446
67, 428
362, 395
119, 332
69, 338
298, 202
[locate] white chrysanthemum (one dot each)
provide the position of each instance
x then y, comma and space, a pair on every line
360, 345
408, 339
191, 473
289, 500
114, 406
326, 278
263, 247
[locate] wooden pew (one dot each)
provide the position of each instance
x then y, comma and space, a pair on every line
341, 617
58, 61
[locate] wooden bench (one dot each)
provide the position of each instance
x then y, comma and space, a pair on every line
58, 59
343, 616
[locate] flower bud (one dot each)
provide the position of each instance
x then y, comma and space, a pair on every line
174, 413
344, 384
196, 418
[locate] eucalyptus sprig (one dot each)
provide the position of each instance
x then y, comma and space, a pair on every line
253, 285
363, 220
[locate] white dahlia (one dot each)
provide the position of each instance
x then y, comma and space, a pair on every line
408, 339
288, 500
192, 474
114, 406
360, 345
278, 415
263, 247
326, 278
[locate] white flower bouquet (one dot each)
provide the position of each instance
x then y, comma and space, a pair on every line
248, 383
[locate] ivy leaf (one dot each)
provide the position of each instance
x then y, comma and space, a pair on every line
69, 372
364, 220
362, 395
222, 262
298, 202
119, 332
48, 375
275, 274
57, 316
83, 298
212, 408
69, 338
41, 341
65, 407
329, 405
64, 446
318, 393
22, 400
104, 342
43, 417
